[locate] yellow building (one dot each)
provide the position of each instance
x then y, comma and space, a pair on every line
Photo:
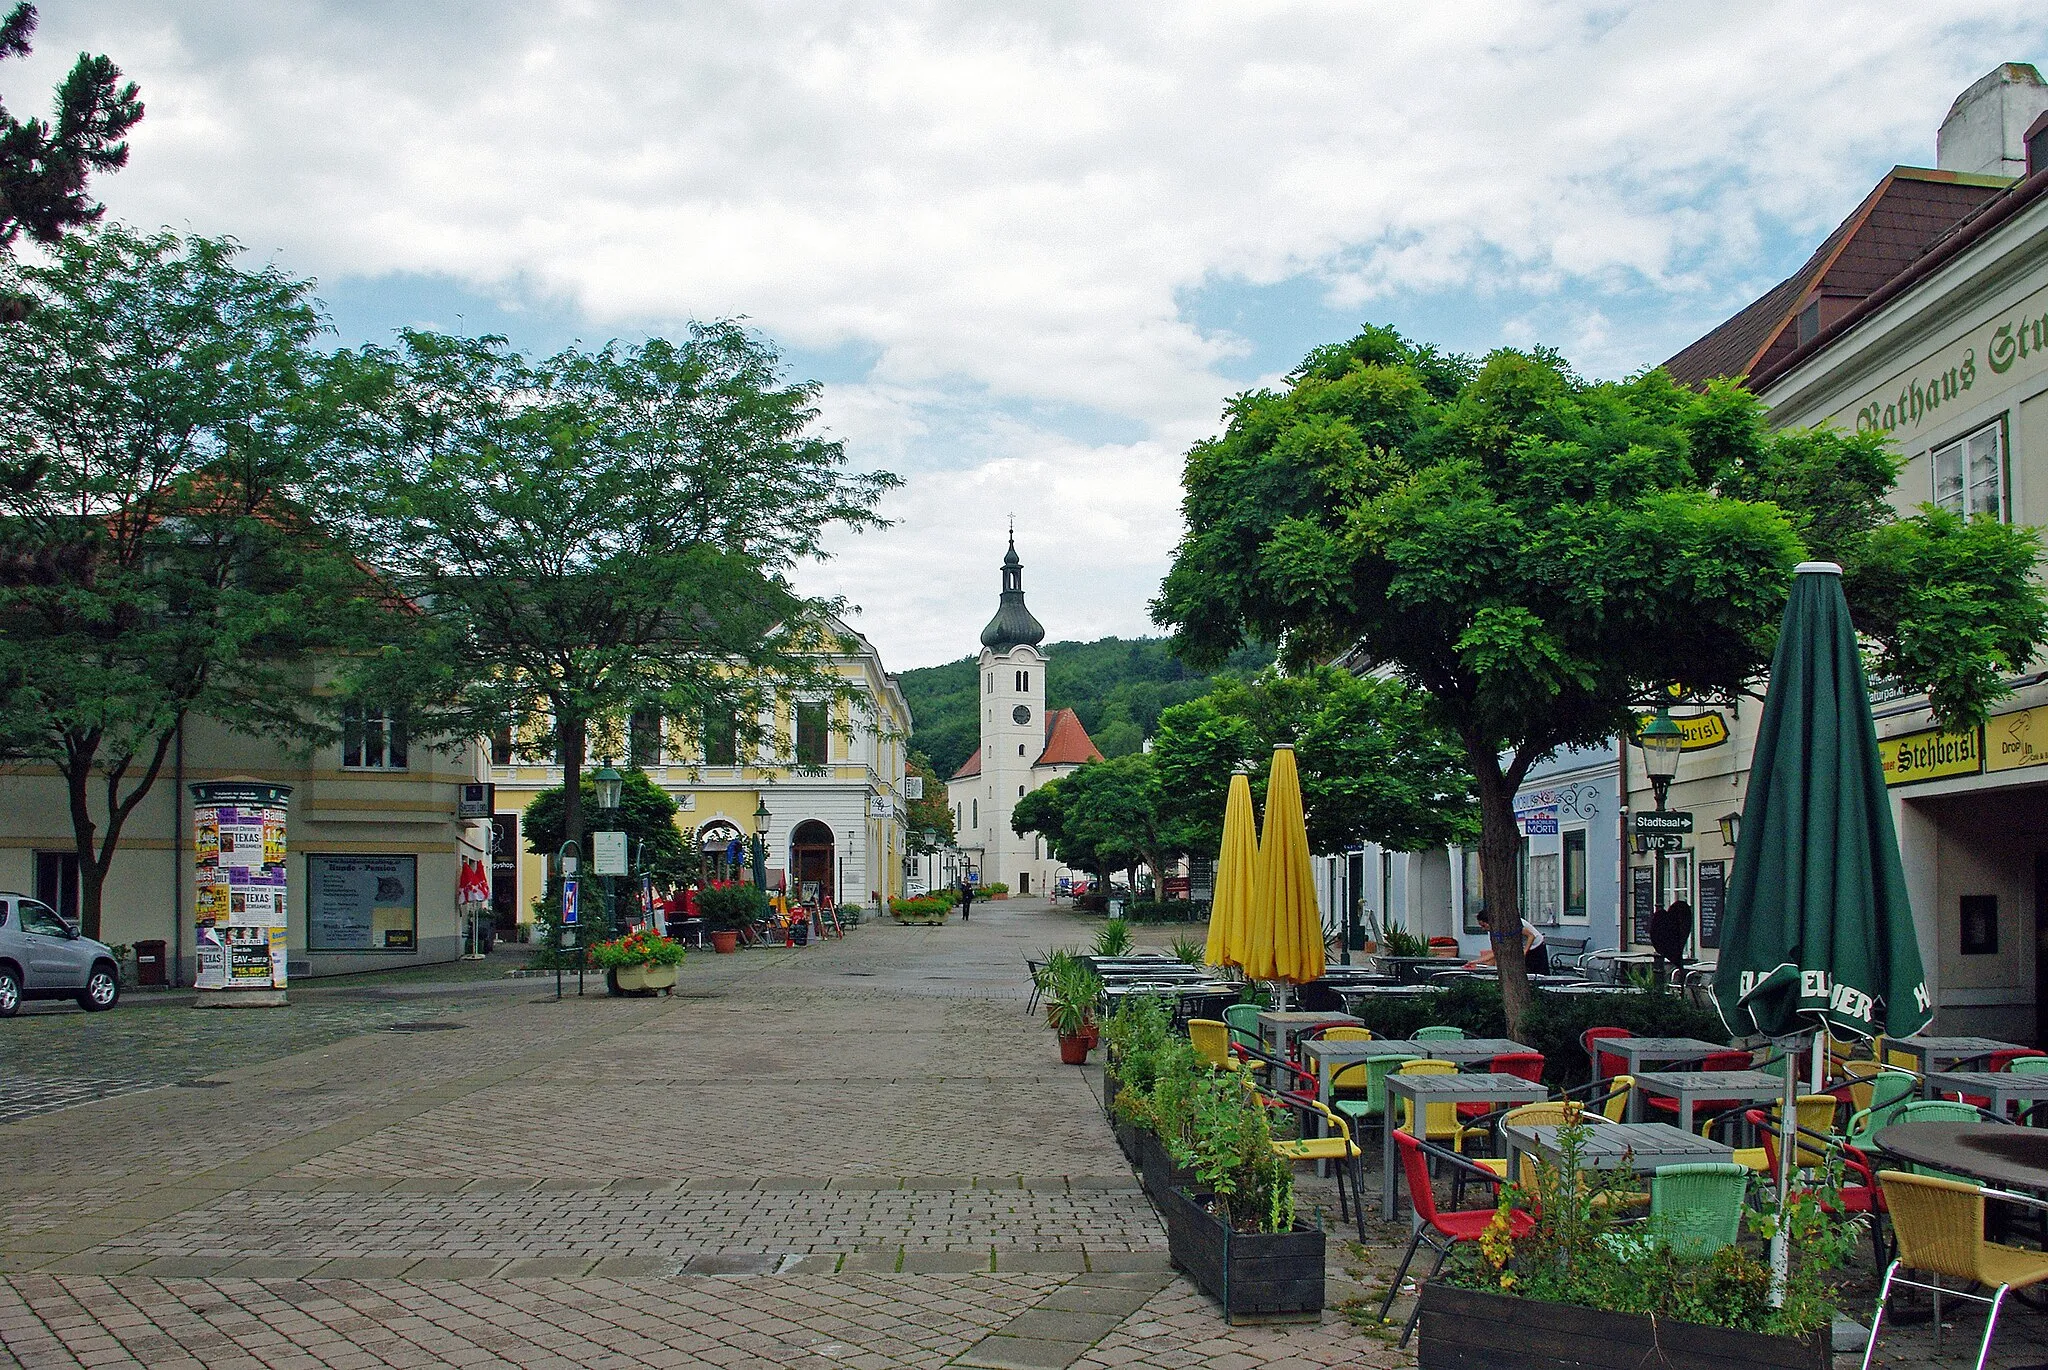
830, 773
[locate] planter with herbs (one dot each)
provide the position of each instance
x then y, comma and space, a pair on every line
1583, 1288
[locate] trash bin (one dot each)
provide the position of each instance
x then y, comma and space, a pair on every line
1116, 908
149, 963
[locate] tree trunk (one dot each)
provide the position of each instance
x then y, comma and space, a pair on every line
96, 853
1500, 852
570, 739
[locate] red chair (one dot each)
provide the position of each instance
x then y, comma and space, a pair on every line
1605, 1065
1523, 1065
1440, 1231
1720, 1060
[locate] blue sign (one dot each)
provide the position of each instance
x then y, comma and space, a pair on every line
569, 902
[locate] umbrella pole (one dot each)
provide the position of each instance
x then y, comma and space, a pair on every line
1788, 1136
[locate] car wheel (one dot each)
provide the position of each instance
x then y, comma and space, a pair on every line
10, 992
102, 989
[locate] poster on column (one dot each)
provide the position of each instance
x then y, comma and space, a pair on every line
240, 903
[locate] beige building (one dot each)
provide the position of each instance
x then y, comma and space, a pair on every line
367, 809
831, 774
1925, 317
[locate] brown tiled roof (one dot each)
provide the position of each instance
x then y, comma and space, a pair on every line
1066, 742
969, 768
1906, 214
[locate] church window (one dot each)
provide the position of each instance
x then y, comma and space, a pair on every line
1020, 749
1020, 791
1027, 681
977, 813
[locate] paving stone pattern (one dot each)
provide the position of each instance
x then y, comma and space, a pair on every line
862, 1153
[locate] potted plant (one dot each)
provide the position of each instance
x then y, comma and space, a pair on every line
1071, 990
641, 962
1233, 1228
726, 909
1581, 1288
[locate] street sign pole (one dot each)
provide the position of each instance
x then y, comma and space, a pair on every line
571, 887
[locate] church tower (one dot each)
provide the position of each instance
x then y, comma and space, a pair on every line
1021, 746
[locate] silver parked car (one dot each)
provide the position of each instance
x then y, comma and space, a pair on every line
44, 957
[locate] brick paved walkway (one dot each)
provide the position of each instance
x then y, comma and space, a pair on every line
862, 1153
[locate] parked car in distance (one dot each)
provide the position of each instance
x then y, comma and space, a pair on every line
44, 957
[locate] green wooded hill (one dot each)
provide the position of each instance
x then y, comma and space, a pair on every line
1118, 686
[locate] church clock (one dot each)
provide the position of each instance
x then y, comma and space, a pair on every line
1022, 713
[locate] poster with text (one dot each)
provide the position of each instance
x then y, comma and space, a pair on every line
240, 883
361, 903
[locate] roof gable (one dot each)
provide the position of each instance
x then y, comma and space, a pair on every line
1066, 742
969, 768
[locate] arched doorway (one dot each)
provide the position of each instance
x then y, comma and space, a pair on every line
715, 839
810, 858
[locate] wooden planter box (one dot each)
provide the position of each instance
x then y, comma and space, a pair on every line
1256, 1276
1156, 1170
1464, 1329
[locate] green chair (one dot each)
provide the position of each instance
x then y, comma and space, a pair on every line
1244, 1025
1370, 1111
1890, 1092
1439, 1034
2028, 1065
1939, 1111
1696, 1210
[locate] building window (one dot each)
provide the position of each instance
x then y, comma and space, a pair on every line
1969, 473
643, 737
1575, 875
977, 814
1020, 749
810, 734
372, 739
501, 745
1020, 791
721, 740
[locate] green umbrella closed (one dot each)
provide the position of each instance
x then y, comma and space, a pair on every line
1818, 930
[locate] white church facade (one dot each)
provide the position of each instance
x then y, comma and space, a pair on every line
1022, 747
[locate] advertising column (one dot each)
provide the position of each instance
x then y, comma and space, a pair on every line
238, 853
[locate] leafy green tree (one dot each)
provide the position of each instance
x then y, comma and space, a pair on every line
602, 531
1375, 765
1535, 553
1105, 815
44, 165
159, 410
931, 814
647, 815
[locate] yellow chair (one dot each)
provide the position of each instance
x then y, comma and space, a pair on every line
1347, 1034
1859, 1075
1940, 1230
1211, 1041
1814, 1114
1615, 1106
1335, 1145
1441, 1119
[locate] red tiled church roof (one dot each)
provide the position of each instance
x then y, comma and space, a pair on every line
1066, 742
969, 768
1909, 212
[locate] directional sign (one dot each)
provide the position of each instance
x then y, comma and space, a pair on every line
1663, 821
569, 903
1649, 842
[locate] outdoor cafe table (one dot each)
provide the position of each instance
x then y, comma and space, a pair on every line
1327, 1058
1465, 1050
1277, 1027
1645, 1051
1999, 1086
2008, 1157
1425, 1090
1691, 1086
1609, 1146
1932, 1053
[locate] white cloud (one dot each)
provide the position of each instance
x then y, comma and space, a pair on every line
1002, 204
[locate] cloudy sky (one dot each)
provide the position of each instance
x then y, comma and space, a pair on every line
1029, 249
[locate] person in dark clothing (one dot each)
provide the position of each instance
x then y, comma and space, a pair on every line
966, 901
1535, 955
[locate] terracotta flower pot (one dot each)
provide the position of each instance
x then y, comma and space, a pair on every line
1074, 1050
725, 940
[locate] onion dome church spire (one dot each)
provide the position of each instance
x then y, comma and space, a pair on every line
1013, 624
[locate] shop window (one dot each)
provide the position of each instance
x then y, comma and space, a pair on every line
643, 737
1969, 473
372, 739
1980, 925
810, 734
1575, 876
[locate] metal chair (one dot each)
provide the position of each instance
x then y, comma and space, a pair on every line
1211, 1041
1696, 1209
1940, 1229
1370, 1111
1244, 1025
1439, 1033
1604, 1063
1336, 1145
1437, 1230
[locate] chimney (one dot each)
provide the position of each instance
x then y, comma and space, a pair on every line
2037, 145
1987, 128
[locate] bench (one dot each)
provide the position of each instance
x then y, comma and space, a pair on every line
1566, 951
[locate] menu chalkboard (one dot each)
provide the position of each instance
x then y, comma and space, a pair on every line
1642, 903
1713, 892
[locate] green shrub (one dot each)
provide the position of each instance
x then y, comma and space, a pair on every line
1165, 911
924, 906
993, 889
732, 906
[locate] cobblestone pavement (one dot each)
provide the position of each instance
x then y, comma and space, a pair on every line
862, 1153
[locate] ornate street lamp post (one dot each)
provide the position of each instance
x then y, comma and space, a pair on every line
761, 817
1662, 741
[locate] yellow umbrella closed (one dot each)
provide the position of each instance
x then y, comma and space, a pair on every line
1236, 868
1285, 940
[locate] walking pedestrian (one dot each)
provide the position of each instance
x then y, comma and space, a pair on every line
966, 902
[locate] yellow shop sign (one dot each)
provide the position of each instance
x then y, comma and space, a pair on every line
1696, 732
1930, 755
2016, 739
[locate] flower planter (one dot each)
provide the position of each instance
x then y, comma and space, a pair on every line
1256, 1276
1466, 1327
1127, 1136
645, 979
1073, 1049
725, 941
1156, 1169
